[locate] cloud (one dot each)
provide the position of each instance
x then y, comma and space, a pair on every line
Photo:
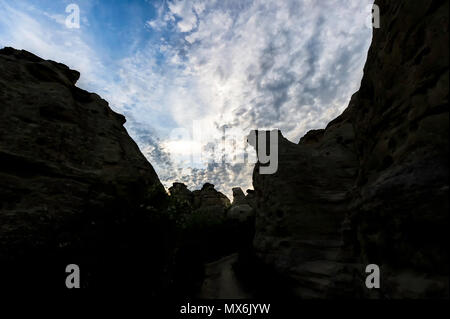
291, 65
186, 12
44, 33
256, 64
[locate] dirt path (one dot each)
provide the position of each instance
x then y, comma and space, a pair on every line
221, 282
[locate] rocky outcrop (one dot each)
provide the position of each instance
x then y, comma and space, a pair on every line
241, 208
205, 199
301, 207
238, 196
372, 187
399, 210
74, 184
209, 199
180, 192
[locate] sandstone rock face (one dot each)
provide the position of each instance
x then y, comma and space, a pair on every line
209, 199
250, 197
300, 208
371, 188
399, 210
181, 192
238, 196
240, 212
241, 208
73, 181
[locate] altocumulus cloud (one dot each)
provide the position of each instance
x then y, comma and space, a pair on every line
291, 65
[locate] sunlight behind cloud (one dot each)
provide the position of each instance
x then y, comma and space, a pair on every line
291, 65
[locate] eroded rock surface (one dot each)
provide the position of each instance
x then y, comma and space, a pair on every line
73, 184
209, 199
373, 186
300, 208
241, 209
206, 199
181, 193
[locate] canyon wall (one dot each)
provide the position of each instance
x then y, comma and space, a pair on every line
75, 189
372, 187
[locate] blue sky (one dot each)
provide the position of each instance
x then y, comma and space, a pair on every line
175, 68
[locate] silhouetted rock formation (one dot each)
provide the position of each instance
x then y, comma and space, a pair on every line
73, 184
238, 196
241, 208
181, 193
373, 186
205, 199
208, 198
301, 207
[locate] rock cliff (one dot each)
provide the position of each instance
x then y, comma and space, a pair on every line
180, 192
73, 184
206, 199
372, 187
241, 208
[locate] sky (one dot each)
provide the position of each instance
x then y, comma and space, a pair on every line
194, 77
